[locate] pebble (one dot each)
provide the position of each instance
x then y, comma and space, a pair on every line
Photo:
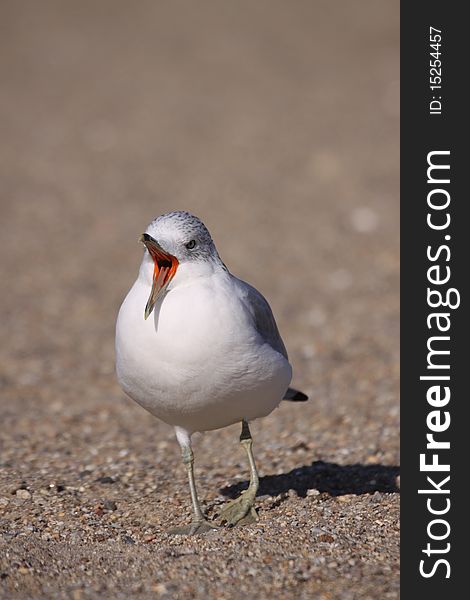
326, 537
105, 480
23, 494
127, 539
159, 588
346, 498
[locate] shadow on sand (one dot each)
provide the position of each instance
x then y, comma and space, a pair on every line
331, 478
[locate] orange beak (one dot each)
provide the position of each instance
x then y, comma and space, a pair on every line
164, 270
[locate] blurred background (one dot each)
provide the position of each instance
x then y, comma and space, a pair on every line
277, 124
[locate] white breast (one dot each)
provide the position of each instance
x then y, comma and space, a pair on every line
198, 361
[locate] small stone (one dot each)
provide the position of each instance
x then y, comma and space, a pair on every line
23, 494
4, 502
364, 219
346, 498
105, 479
326, 538
160, 588
313, 492
127, 539
23, 570
109, 505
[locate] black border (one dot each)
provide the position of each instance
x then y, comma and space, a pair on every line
420, 134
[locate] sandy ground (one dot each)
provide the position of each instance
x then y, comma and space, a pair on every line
277, 123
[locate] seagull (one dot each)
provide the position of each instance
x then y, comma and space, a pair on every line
200, 350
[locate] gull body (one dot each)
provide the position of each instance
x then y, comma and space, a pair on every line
209, 354
198, 362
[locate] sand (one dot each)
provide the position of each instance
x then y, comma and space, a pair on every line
277, 124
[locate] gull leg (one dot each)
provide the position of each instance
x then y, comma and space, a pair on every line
199, 523
241, 511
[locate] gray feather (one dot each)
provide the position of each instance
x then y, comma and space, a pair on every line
263, 317
266, 326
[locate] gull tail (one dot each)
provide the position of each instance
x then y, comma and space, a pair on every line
295, 396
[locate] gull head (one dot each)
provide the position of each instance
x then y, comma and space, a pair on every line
173, 241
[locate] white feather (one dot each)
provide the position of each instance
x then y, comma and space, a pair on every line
206, 357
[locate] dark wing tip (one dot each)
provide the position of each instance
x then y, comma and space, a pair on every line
295, 396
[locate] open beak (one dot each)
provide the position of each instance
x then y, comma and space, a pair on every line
164, 270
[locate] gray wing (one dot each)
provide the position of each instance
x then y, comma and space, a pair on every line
266, 326
263, 316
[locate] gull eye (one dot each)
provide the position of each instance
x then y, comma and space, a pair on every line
190, 245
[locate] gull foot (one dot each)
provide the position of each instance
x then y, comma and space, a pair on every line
239, 512
194, 528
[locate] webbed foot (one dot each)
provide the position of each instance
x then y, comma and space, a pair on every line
240, 511
194, 528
